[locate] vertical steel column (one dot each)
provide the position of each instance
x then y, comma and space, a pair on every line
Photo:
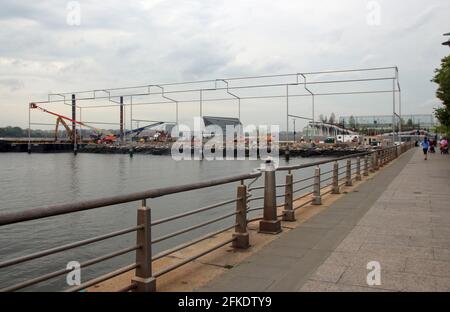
348, 173
366, 165
240, 235
143, 276
29, 128
358, 169
288, 213
121, 119
287, 112
74, 125
81, 127
393, 112
317, 198
270, 223
336, 189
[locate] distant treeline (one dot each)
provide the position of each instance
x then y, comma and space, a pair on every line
17, 132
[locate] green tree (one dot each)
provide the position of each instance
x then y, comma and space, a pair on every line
442, 79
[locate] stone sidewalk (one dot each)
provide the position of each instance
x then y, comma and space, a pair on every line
400, 218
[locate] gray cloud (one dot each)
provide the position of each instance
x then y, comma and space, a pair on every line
137, 42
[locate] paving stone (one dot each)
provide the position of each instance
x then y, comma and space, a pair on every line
395, 218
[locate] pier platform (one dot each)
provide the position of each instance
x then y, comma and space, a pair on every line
400, 218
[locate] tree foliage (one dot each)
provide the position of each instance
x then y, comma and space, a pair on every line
442, 79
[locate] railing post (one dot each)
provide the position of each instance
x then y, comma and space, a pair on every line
317, 199
288, 213
336, 189
240, 235
348, 173
143, 276
358, 169
270, 223
366, 165
374, 162
381, 159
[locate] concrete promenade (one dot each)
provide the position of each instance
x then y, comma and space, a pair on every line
399, 217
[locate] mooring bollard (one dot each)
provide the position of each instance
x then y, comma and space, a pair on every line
336, 189
288, 213
358, 169
240, 235
348, 173
270, 223
144, 280
131, 152
317, 199
366, 165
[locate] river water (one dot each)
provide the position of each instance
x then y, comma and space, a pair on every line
28, 181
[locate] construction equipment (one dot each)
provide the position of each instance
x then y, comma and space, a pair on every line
61, 119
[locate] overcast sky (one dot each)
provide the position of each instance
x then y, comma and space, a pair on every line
141, 42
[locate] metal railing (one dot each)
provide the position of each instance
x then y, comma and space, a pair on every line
309, 189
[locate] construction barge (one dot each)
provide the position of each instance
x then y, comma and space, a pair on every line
163, 148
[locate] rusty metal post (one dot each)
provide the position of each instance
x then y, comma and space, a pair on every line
358, 169
348, 173
373, 162
288, 213
240, 235
121, 119
270, 223
366, 165
317, 199
143, 277
74, 125
336, 189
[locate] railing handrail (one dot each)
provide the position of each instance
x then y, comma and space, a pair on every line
322, 162
54, 210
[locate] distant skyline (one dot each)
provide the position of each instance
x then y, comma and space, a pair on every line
47, 48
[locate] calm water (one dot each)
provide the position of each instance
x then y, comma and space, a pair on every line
28, 181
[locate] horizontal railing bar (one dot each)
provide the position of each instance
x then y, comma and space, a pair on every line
190, 243
64, 271
303, 196
159, 239
322, 162
103, 278
326, 172
128, 288
324, 180
256, 208
303, 188
281, 195
185, 214
190, 259
304, 204
54, 210
54, 250
303, 180
255, 198
256, 188
281, 185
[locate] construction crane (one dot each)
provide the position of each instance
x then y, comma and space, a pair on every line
61, 119
137, 131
